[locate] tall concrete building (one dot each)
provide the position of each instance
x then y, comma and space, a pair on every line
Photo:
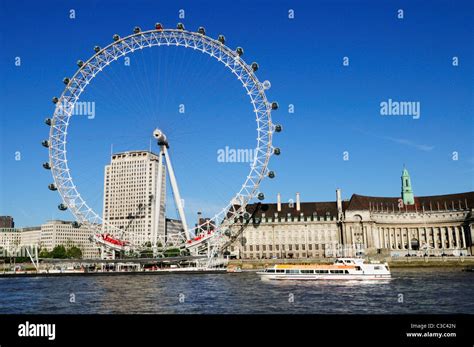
129, 197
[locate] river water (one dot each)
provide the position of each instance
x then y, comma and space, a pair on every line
410, 291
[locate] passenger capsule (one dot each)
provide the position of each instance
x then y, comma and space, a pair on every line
246, 216
278, 128
45, 143
62, 207
221, 39
136, 30
254, 66
180, 26
48, 121
47, 166
276, 151
271, 174
158, 26
261, 196
227, 233
96, 49
240, 51
52, 187
75, 224
116, 37
80, 63
55, 100
66, 80
274, 105
202, 31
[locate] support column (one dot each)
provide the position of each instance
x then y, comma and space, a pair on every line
443, 237
158, 192
463, 238
456, 235
389, 238
403, 237
395, 237
450, 237
409, 239
435, 238
177, 196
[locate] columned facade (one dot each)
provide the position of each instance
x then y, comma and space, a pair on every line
366, 226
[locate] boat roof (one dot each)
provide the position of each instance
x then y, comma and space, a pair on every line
313, 266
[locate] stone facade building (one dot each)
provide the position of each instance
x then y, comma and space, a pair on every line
363, 225
47, 236
58, 232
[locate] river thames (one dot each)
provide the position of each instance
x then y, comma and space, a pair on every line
433, 290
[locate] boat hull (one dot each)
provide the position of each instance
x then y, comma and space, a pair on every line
346, 277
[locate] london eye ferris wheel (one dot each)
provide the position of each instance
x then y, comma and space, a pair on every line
194, 237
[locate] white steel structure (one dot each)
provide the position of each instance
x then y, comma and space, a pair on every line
160, 37
160, 194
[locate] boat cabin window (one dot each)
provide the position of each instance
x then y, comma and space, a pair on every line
337, 271
321, 271
270, 271
291, 271
358, 268
280, 271
307, 271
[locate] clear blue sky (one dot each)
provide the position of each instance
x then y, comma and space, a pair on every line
336, 107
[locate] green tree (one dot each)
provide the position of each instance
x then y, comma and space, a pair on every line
44, 254
59, 252
74, 252
172, 252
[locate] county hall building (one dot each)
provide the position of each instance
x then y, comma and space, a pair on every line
363, 225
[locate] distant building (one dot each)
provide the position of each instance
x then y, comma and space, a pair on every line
396, 226
58, 232
30, 236
129, 192
14, 239
174, 227
6, 222
10, 238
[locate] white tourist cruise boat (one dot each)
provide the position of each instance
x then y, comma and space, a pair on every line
342, 269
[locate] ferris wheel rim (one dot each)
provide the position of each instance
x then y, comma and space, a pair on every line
262, 109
